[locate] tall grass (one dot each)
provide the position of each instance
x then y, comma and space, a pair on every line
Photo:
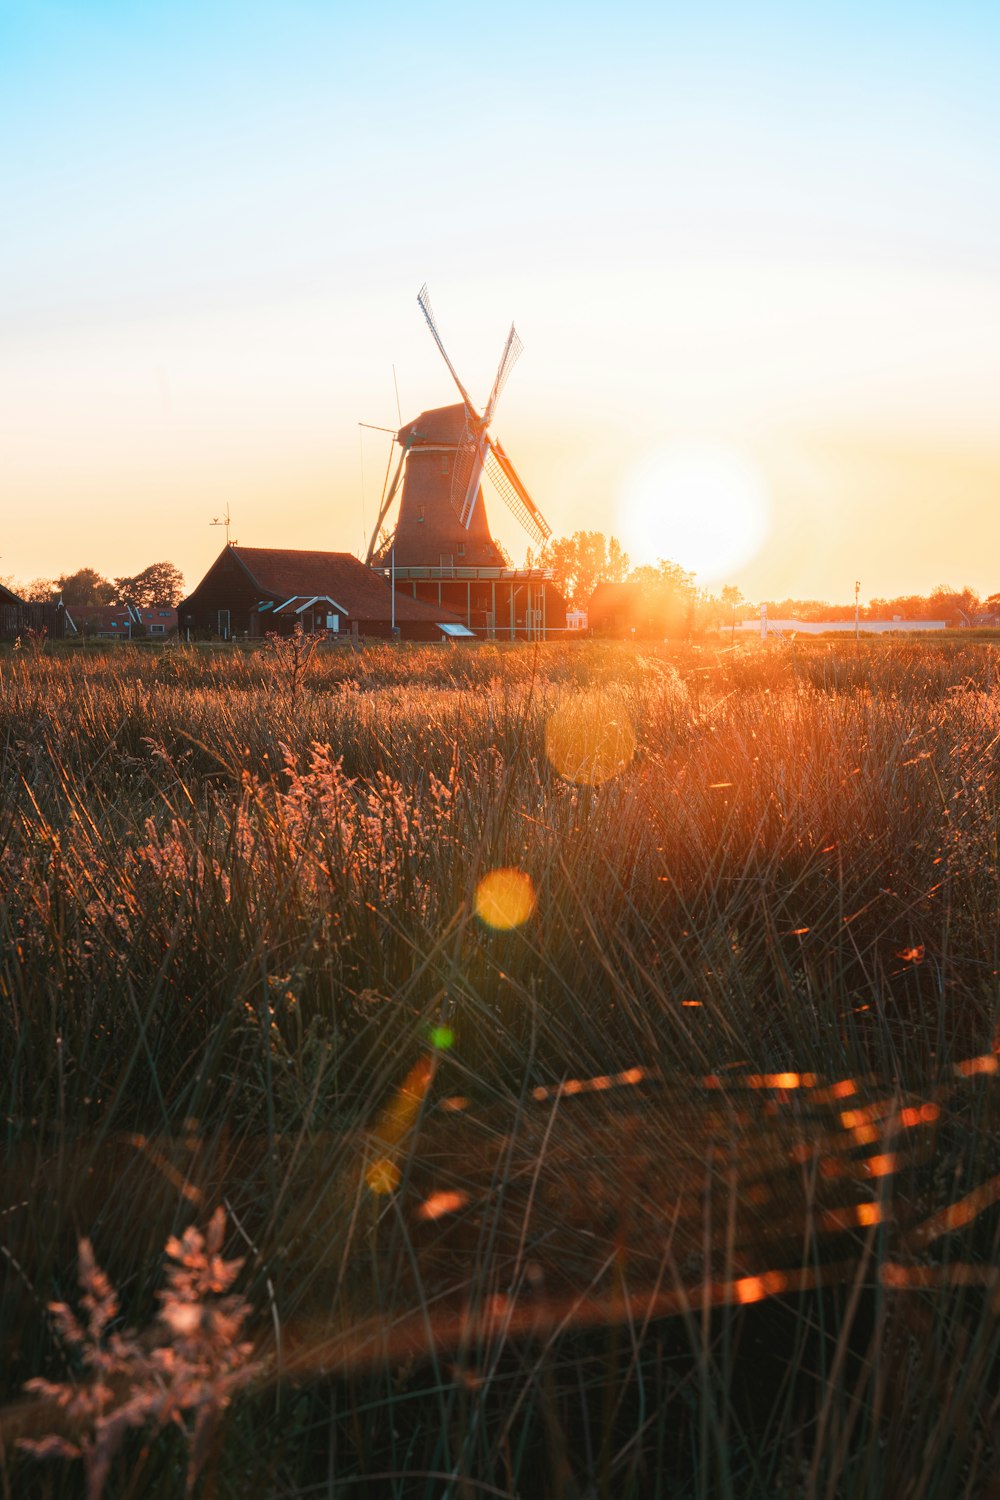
231, 916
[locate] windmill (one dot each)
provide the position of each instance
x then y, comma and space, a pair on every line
445, 453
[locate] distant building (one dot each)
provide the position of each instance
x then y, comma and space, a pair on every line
254, 591
765, 626
121, 622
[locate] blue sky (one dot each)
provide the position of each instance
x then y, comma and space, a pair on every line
775, 227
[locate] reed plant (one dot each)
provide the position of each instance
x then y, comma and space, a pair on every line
236, 915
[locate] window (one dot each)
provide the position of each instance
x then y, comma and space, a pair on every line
224, 624
157, 630
163, 614
333, 622
420, 517
461, 549
444, 463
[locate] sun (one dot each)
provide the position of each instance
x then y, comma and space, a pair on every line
702, 505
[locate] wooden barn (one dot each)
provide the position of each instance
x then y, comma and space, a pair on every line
18, 617
250, 592
441, 550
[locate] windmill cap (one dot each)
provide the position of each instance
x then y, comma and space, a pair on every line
442, 424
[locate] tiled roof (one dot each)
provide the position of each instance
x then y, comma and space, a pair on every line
364, 595
7, 597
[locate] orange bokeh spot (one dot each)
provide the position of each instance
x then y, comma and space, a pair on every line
505, 899
589, 740
756, 1288
987, 1063
750, 1289
440, 1204
844, 1089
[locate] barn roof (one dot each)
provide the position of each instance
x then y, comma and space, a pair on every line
7, 596
340, 575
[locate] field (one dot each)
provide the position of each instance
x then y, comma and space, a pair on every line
664, 1164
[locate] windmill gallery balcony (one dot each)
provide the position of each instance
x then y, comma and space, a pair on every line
499, 603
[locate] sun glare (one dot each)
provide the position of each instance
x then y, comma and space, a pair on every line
702, 505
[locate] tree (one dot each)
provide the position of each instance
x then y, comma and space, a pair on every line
581, 561
956, 606
85, 586
39, 591
160, 583
731, 598
666, 599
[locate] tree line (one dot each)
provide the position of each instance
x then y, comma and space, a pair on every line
955, 606
581, 562
159, 584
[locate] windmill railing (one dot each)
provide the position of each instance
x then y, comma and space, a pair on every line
541, 575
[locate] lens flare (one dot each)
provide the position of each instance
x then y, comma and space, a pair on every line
395, 1122
588, 740
505, 899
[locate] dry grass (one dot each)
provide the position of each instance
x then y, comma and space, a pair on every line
234, 908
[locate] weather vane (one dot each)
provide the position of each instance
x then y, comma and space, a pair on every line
222, 521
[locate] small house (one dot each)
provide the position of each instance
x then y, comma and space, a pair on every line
122, 622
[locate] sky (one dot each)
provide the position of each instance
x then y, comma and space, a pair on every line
753, 253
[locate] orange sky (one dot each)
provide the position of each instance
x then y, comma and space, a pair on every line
785, 250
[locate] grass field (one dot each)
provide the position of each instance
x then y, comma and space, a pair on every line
666, 1165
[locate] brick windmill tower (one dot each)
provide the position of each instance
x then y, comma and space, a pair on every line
441, 549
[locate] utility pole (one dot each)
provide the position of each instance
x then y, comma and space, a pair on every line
857, 622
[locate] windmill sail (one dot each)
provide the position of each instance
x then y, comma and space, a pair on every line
509, 487
508, 359
424, 301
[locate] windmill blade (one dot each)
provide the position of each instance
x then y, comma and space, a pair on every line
424, 300
470, 457
508, 485
508, 359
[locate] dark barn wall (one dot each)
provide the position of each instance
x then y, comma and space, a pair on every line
226, 585
14, 619
18, 617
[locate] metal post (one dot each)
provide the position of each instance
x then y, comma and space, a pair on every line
392, 585
857, 623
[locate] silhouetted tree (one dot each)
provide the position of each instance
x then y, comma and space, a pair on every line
581, 561
39, 591
160, 583
666, 599
85, 586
